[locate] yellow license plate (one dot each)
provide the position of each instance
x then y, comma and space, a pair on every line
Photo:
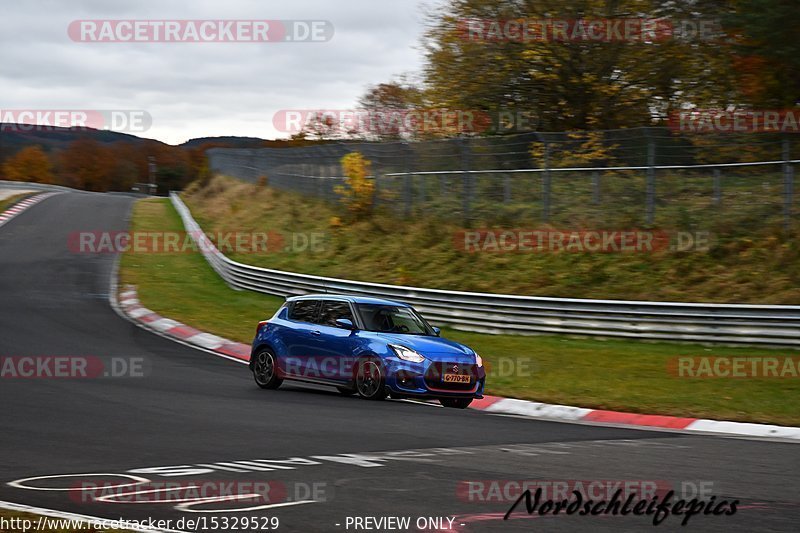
456, 378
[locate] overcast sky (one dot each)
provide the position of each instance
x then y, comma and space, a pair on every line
204, 89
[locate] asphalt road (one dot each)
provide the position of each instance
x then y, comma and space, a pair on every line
351, 457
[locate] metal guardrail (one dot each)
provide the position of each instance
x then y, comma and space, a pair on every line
5, 184
500, 313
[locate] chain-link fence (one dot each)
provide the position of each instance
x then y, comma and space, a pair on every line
620, 178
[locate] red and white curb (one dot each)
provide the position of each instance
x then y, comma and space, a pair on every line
21, 206
567, 413
130, 306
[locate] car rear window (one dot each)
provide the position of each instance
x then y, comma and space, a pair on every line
303, 310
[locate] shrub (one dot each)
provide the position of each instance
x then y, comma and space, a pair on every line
358, 192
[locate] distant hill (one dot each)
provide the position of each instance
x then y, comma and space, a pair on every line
13, 137
232, 141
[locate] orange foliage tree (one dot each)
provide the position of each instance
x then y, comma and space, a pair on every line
29, 164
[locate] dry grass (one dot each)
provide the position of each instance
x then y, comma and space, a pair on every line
421, 252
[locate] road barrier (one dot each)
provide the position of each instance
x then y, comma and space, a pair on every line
777, 325
5, 184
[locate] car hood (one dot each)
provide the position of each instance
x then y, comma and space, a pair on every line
428, 346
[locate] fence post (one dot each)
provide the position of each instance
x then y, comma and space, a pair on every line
788, 185
595, 187
717, 187
546, 184
650, 193
376, 180
320, 171
423, 182
466, 179
407, 184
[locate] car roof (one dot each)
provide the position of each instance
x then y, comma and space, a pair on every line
348, 298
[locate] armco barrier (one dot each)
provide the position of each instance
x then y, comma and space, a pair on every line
5, 184
500, 313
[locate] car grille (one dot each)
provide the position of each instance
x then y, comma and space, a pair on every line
434, 376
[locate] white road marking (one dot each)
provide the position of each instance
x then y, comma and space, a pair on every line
20, 483
187, 507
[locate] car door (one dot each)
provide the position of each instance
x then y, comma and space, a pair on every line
335, 343
301, 338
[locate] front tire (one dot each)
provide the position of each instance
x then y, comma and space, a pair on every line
456, 403
265, 370
370, 380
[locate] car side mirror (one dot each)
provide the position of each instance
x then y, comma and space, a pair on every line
345, 323
436, 331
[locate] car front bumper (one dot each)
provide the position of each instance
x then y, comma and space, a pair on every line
427, 378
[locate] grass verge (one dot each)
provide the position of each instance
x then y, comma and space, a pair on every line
598, 373
7, 202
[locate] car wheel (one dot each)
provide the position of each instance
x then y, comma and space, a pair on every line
344, 391
457, 403
370, 381
265, 370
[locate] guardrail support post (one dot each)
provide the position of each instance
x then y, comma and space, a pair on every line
650, 193
595, 187
788, 185
717, 187
506, 188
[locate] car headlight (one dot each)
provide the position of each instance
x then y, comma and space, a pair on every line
478, 360
407, 354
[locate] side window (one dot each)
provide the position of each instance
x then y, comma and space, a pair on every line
303, 310
333, 310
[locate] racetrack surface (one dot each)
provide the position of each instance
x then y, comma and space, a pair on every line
192, 408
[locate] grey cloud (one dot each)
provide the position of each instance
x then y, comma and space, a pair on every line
199, 89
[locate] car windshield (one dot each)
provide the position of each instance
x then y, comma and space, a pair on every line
393, 319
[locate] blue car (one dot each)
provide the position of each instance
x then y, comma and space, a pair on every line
366, 346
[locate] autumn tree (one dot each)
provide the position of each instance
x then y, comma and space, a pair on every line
767, 52
575, 84
87, 164
29, 164
173, 165
385, 105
